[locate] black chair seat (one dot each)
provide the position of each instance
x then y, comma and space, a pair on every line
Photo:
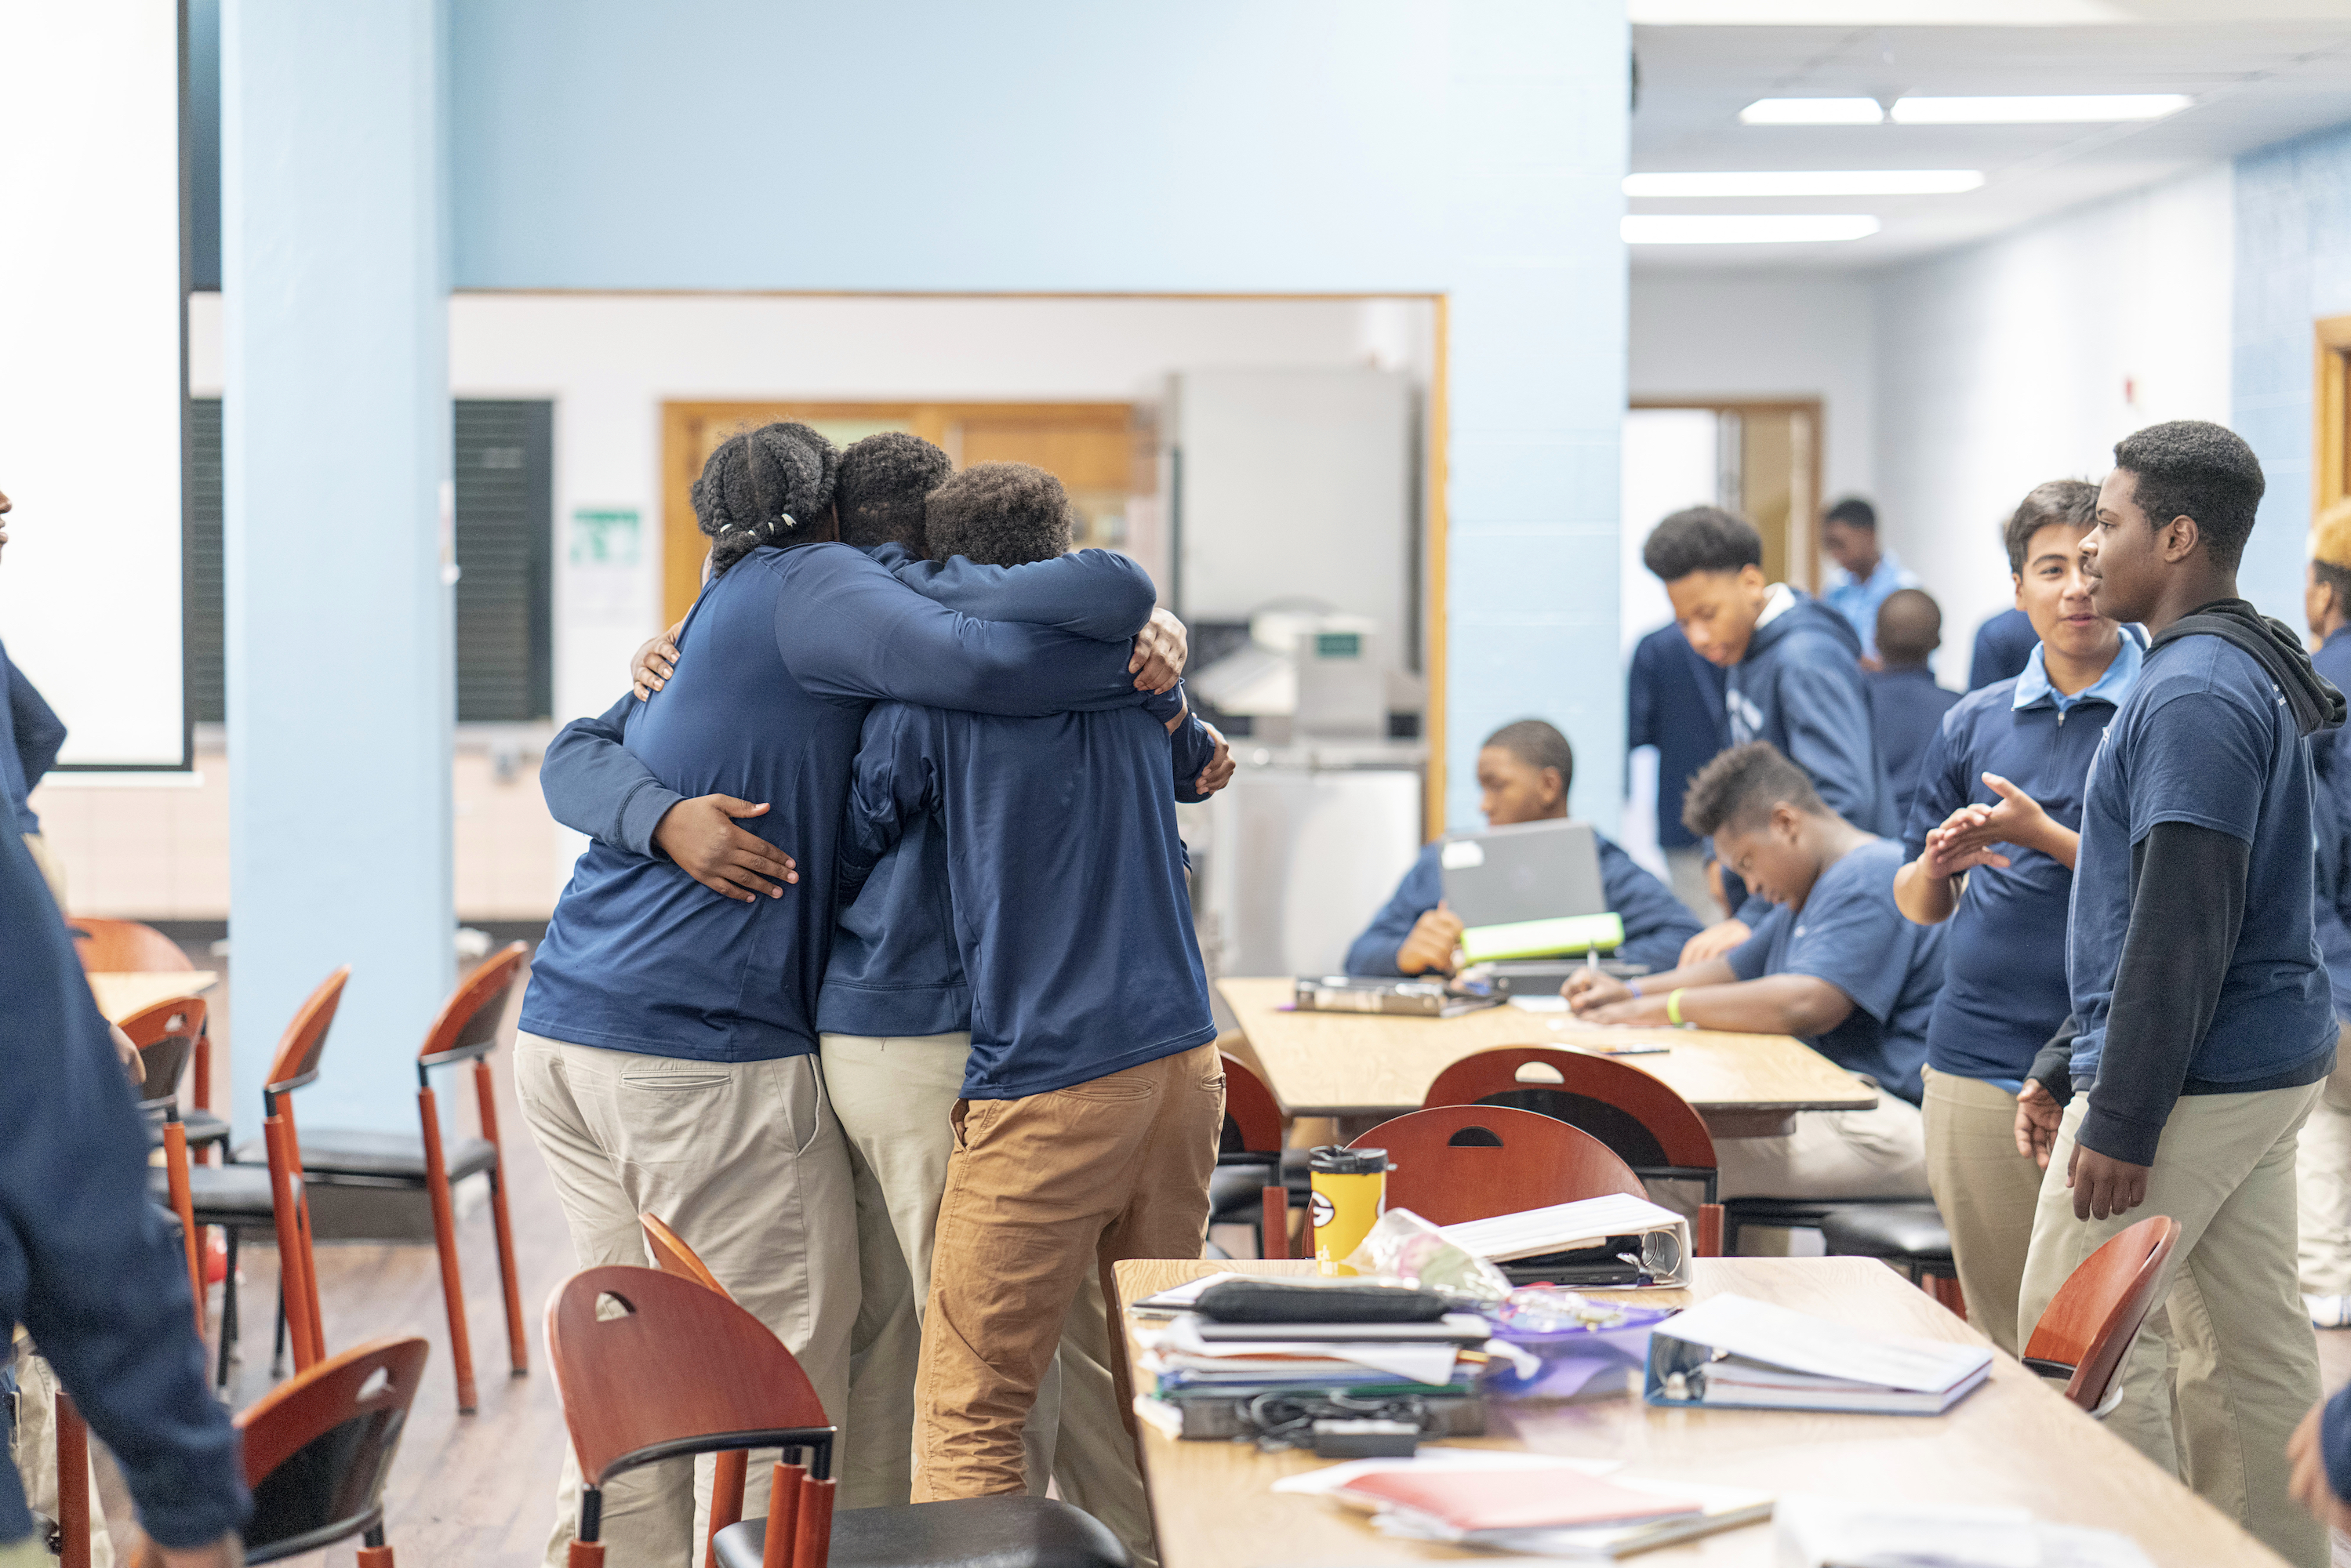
1910, 1233
1236, 1192
203, 1127
333, 1152
969, 1532
222, 1195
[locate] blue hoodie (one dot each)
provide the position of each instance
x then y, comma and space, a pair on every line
1800, 687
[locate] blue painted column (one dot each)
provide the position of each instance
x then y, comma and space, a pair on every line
336, 425
1537, 376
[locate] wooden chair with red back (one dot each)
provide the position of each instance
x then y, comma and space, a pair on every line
1251, 1153
466, 1029
654, 1366
318, 1449
166, 1035
731, 1471
113, 946
1458, 1163
1641, 1119
2089, 1325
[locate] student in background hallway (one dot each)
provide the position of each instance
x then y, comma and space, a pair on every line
2204, 1031
30, 738
2323, 1167
1864, 574
1905, 703
1674, 702
2003, 643
1524, 770
1794, 676
1093, 1096
1833, 962
1992, 833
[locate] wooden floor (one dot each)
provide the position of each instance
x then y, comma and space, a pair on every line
480, 1489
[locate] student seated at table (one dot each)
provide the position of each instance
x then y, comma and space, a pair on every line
1834, 962
1905, 703
1523, 772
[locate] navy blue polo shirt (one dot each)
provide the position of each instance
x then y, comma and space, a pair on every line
1849, 934
2003, 644
2004, 962
2208, 740
1908, 707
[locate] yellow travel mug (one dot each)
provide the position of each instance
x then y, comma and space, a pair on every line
1350, 1190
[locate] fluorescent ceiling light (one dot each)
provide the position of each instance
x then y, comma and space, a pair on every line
1812, 112
2047, 111
1744, 228
1808, 182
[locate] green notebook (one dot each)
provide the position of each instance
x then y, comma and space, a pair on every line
1542, 939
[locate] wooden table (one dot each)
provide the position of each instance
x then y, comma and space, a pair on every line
122, 992
2014, 1442
1359, 1065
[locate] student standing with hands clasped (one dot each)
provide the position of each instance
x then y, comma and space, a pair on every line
2204, 1028
1991, 846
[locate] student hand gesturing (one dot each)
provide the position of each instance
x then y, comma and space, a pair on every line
1965, 840
701, 836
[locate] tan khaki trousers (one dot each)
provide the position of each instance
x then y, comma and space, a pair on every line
2323, 1185
1987, 1193
1878, 1153
1040, 1192
35, 1454
2227, 1365
52, 870
28, 1552
745, 1161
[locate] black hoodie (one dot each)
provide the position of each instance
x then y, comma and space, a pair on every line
2315, 703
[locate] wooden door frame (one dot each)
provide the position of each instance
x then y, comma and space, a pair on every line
2330, 412
1809, 406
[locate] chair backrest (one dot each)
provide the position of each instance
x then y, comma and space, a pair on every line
1457, 1163
650, 1367
319, 1445
165, 1034
1252, 1116
105, 945
1640, 1118
300, 1047
2089, 1325
467, 1023
672, 1256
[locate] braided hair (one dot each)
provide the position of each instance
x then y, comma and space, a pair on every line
763, 487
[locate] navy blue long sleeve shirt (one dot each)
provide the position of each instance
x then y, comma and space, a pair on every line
1066, 881
1674, 702
1799, 686
31, 736
2003, 643
801, 643
1656, 922
85, 1263
2330, 818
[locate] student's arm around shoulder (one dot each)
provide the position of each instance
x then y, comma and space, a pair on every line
895, 780
1095, 593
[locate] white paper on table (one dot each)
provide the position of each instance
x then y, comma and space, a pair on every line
1813, 1531
1177, 1298
1560, 1225
1431, 1363
1330, 1478
1539, 1004
1762, 1332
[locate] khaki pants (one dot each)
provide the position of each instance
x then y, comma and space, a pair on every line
52, 870
1878, 1153
28, 1552
1040, 1192
1987, 1193
2228, 1364
744, 1162
2322, 1183
35, 1453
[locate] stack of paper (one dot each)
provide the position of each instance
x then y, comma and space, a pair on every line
1202, 1370
1738, 1352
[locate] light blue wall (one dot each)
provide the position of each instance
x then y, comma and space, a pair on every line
336, 434
1473, 148
2293, 267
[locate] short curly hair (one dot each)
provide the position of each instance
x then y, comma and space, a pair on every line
764, 486
999, 514
1739, 788
2072, 502
885, 480
1701, 539
2194, 468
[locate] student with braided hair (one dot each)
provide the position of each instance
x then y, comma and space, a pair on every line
667, 1062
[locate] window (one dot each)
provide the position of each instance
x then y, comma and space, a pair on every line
504, 462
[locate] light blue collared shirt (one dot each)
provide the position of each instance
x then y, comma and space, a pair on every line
2033, 686
1857, 598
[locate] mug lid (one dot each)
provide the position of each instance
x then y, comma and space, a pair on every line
1333, 1159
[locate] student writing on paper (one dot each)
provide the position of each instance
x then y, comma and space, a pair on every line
1523, 771
1991, 842
1834, 962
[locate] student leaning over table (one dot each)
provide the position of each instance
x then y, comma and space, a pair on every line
2204, 1031
1991, 839
667, 1062
1524, 770
1834, 962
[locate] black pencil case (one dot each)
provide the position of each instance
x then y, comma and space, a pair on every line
1269, 1302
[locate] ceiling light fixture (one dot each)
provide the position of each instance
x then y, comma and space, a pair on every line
1745, 228
1812, 112
1807, 182
2077, 109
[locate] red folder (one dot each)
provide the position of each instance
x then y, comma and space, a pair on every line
1516, 1500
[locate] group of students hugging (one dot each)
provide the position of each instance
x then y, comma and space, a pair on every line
2092, 967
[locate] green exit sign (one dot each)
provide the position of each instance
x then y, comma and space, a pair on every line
1338, 645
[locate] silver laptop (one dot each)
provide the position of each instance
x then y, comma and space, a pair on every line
1531, 871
